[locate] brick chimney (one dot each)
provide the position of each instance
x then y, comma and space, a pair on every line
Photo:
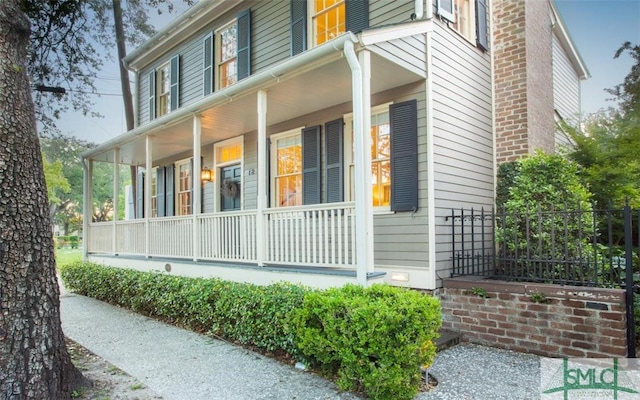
522, 53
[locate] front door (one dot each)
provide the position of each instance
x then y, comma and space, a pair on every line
230, 188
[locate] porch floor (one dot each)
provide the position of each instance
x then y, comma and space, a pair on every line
298, 269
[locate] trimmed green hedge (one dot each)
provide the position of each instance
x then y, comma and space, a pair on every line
246, 313
374, 339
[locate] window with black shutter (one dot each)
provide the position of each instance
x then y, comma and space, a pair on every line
311, 183
403, 118
333, 161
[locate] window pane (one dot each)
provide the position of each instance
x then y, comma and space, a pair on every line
289, 171
328, 20
228, 73
289, 189
228, 43
380, 154
289, 155
381, 183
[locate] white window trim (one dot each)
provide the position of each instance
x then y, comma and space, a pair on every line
274, 160
216, 169
471, 23
348, 158
217, 48
159, 87
176, 190
311, 34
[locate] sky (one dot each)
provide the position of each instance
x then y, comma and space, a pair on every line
597, 27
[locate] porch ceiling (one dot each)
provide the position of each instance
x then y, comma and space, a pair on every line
288, 97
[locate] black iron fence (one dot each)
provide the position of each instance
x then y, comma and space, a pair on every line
581, 247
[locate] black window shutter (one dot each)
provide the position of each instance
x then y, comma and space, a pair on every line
445, 10
174, 93
152, 95
298, 26
207, 71
481, 24
357, 15
404, 156
333, 161
244, 44
170, 202
160, 191
140, 195
311, 188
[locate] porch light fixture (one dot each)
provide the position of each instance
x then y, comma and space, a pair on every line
205, 175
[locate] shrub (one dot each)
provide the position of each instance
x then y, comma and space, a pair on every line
249, 314
541, 221
374, 339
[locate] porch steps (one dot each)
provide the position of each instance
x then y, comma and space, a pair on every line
447, 339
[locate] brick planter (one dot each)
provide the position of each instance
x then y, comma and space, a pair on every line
573, 322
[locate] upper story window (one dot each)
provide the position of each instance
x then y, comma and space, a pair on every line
164, 88
314, 22
328, 20
227, 54
468, 18
227, 68
464, 11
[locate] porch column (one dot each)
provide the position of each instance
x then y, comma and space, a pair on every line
362, 153
365, 64
87, 204
116, 192
197, 184
261, 226
147, 198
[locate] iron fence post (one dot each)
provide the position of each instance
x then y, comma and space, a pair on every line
628, 248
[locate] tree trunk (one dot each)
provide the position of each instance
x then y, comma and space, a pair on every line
126, 87
33, 356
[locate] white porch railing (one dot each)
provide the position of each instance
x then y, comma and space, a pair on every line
171, 237
130, 237
100, 237
229, 236
317, 235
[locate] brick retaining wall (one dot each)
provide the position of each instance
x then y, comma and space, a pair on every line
574, 322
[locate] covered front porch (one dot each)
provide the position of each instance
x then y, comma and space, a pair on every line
341, 76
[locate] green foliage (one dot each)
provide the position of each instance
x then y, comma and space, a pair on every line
628, 92
478, 291
374, 339
71, 241
541, 221
507, 173
607, 154
249, 314
55, 179
539, 297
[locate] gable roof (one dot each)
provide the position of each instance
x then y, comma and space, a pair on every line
560, 29
195, 18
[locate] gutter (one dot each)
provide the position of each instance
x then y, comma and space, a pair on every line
362, 260
253, 83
